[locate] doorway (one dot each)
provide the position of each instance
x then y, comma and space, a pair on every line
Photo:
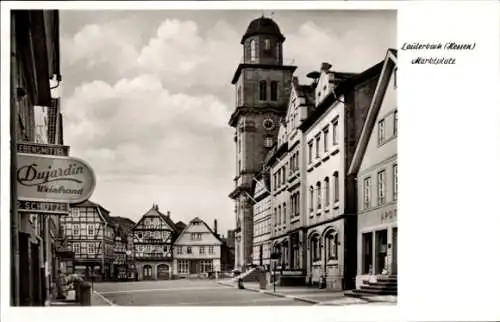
395, 250
381, 251
163, 272
367, 254
147, 272
261, 254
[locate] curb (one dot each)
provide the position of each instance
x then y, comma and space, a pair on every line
301, 299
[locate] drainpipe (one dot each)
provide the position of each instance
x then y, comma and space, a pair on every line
46, 255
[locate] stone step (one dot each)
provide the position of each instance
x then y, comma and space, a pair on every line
362, 292
378, 287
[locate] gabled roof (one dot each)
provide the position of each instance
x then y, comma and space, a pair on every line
198, 220
390, 62
342, 88
155, 211
100, 209
125, 223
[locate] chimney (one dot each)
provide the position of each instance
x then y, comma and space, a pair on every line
215, 226
168, 213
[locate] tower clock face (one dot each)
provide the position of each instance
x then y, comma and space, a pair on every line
268, 124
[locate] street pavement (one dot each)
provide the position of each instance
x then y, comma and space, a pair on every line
314, 295
182, 293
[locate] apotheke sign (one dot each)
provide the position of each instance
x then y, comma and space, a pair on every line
53, 178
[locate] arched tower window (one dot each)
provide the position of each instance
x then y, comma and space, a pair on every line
267, 44
263, 90
274, 91
253, 50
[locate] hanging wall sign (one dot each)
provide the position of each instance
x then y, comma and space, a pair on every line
53, 178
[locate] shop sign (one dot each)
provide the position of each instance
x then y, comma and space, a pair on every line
293, 273
41, 207
53, 179
46, 149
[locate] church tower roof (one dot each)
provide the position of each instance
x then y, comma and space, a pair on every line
263, 26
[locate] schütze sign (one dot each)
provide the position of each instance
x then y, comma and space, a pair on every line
53, 178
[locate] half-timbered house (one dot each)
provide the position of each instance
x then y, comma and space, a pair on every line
89, 231
198, 250
121, 262
154, 235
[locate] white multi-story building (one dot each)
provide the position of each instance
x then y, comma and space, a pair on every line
376, 168
198, 250
331, 133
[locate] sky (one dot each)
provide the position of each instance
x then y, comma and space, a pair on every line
146, 96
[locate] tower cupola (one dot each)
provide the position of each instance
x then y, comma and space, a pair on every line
263, 42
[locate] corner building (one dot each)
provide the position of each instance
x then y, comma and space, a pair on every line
262, 85
375, 166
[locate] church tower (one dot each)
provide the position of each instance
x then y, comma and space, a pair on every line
262, 85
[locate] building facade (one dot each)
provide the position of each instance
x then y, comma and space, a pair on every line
123, 262
89, 232
376, 168
288, 184
262, 85
198, 251
34, 62
154, 235
331, 133
262, 221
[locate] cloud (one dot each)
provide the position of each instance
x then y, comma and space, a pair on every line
97, 45
137, 127
185, 60
328, 46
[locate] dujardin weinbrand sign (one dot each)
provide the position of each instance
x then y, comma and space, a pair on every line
53, 178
